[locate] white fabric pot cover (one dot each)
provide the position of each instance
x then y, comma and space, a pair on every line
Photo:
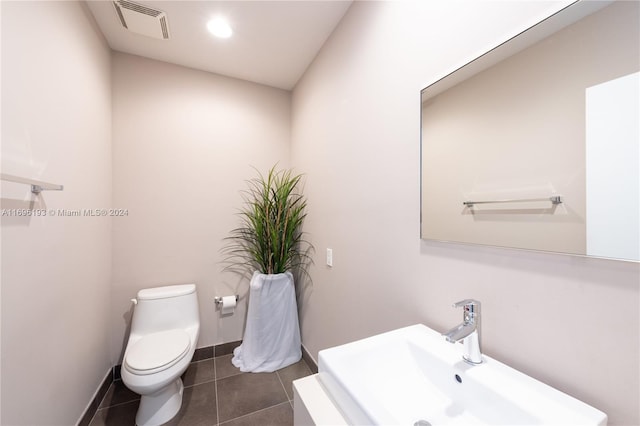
272, 334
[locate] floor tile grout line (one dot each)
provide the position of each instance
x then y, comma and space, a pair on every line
100, 407
231, 375
102, 400
254, 412
282, 384
199, 383
119, 404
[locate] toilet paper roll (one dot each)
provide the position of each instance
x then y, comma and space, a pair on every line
228, 305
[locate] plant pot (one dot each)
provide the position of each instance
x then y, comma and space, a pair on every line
272, 334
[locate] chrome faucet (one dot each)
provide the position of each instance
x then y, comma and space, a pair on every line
468, 331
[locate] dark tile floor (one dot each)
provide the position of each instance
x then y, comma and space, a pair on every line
216, 393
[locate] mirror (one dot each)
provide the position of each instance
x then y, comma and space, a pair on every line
536, 144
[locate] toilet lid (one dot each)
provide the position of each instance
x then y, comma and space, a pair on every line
157, 351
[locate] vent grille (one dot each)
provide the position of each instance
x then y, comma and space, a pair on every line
141, 19
138, 8
119, 12
163, 25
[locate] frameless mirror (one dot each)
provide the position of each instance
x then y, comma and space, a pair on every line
536, 144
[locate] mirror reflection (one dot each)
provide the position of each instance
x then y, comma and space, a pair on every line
535, 145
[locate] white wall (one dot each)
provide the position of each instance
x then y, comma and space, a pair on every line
571, 322
56, 271
184, 142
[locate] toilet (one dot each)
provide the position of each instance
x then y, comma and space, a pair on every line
164, 334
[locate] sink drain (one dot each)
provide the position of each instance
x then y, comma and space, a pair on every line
422, 423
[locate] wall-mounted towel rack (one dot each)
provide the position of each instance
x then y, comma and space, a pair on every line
555, 199
37, 186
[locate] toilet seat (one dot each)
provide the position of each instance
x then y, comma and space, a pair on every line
157, 351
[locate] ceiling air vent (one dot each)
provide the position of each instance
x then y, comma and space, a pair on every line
142, 19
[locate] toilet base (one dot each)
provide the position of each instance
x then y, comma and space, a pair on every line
160, 407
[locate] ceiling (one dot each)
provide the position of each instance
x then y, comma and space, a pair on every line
273, 42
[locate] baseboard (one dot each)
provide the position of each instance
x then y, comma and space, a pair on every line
215, 351
99, 394
201, 354
226, 348
313, 365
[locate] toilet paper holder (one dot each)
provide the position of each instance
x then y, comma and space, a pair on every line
218, 299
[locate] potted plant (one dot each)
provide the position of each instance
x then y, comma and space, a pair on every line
270, 243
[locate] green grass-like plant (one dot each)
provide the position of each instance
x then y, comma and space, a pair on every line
270, 238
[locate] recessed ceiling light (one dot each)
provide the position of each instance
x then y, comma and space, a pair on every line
219, 27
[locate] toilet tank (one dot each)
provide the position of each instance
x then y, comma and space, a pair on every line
164, 308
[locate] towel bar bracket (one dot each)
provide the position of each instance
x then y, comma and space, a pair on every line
36, 185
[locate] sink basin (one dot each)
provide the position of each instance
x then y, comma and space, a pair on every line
412, 376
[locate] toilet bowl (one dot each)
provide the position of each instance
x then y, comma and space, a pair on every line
163, 338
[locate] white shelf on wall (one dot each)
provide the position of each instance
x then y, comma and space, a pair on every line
37, 186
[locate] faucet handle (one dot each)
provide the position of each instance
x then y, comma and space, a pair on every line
466, 302
469, 305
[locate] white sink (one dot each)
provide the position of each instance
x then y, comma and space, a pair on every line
413, 375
